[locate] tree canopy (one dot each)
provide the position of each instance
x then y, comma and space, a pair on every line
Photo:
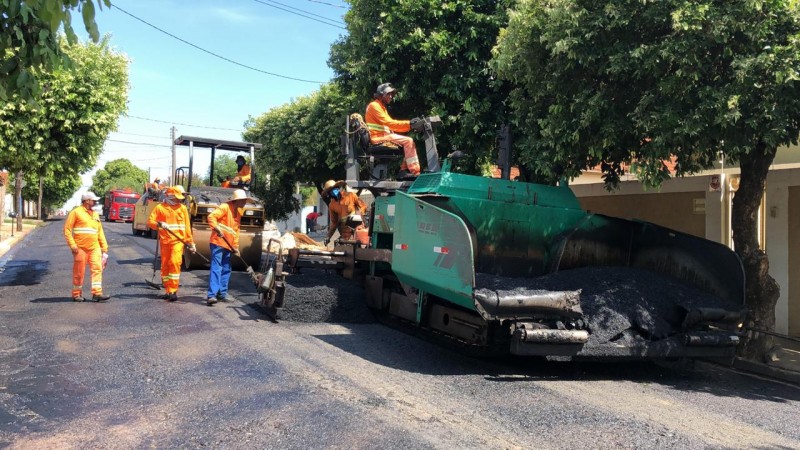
436, 53
29, 42
118, 174
224, 166
612, 82
301, 144
64, 133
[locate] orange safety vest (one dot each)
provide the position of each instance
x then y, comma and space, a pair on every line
380, 123
228, 221
177, 219
83, 230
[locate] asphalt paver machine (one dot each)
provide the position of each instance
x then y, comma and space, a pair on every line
507, 267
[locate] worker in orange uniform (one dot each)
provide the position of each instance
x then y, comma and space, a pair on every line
382, 128
171, 218
225, 222
226, 183
243, 176
86, 239
344, 210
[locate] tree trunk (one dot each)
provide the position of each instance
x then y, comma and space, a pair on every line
3, 184
39, 204
17, 197
761, 290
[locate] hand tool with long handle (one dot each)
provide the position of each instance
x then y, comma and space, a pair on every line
249, 269
187, 244
156, 267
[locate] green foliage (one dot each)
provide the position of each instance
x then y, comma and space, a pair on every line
301, 144
29, 42
600, 83
224, 166
64, 134
309, 194
56, 190
118, 174
605, 83
435, 52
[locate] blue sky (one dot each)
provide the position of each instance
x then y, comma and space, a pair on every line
173, 83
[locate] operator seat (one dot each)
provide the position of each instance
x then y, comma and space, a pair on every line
377, 156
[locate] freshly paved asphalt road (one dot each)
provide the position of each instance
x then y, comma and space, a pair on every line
138, 372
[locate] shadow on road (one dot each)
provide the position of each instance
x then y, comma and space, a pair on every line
52, 300
391, 348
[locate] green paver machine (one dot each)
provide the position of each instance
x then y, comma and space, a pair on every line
510, 267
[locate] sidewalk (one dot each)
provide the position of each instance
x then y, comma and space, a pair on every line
7, 241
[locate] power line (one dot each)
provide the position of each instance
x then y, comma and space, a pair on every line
329, 22
215, 54
139, 143
329, 4
184, 124
141, 135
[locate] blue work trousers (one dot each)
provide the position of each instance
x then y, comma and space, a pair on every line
220, 272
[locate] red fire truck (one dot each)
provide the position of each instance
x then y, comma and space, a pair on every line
118, 205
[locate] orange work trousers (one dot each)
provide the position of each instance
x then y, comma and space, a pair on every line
410, 158
171, 259
94, 257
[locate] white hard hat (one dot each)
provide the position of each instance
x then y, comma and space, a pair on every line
89, 196
238, 194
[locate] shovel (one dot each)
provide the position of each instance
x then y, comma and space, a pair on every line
156, 268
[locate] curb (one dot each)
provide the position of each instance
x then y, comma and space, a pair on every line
787, 375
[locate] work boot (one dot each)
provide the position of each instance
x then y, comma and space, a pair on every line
78, 299
100, 298
210, 301
173, 297
222, 298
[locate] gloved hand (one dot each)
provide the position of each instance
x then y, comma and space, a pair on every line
162, 225
192, 248
105, 260
236, 252
74, 250
219, 231
418, 124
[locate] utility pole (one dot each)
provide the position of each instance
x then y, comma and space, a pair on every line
174, 157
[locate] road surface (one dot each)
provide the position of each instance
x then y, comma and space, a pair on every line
138, 372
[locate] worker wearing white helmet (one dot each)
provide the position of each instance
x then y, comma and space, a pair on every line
224, 241
85, 237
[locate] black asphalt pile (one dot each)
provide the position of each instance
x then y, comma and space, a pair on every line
621, 304
323, 296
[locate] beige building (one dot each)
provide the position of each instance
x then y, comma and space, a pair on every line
700, 205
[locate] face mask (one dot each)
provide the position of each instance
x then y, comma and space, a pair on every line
335, 193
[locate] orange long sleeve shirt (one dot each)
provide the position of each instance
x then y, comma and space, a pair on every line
380, 123
83, 230
228, 221
338, 210
177, 219
244, 173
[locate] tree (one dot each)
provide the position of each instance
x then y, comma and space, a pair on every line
118, 174
602, 83
56, 190
29, 42
65, 132
224, 166
301, 144
436, 53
